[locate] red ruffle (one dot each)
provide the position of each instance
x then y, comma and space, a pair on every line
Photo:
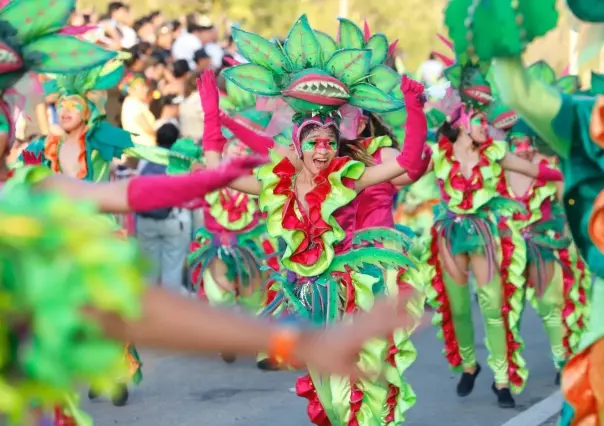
311, 224
62, 419
234, 207
568, 281
507, 249
31, 159
468, 186
450, 340
306, 389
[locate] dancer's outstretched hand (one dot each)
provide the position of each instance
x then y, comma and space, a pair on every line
208, 92
413, 92
335, 350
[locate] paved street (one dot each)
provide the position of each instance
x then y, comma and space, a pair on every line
185, 391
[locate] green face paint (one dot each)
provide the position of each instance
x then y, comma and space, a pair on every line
320, 143
72, 104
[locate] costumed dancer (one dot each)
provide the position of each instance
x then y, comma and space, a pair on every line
556, 280
571, 125
227, 255
471, 234
308, 193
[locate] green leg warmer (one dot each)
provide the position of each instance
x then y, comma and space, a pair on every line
217, 296
490, 298
549, 307
461, 311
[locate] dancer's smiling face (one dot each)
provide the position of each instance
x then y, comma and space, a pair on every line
319, 148
479, 128
72, 112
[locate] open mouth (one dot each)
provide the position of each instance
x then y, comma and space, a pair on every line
481, 94
320, 163
9, 59
319, 89
506, 120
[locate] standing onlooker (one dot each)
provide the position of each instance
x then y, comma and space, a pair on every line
231, 50
164, 41
136, 115
165, 234
191, 112
120, 19
157, 19
187, 44
209, 40
169, 111
145, 30
202, 61
180, 71
430, 71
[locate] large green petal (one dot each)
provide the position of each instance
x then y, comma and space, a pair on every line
370, 98
349, 65
543, 71
568, 84
384, 78
58, 54
110, 76
328, 45
453, 74
378, 44
35, 18
253, 78
302, 46
349, 35
260, 51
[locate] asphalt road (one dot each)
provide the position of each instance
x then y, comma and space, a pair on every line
187, 391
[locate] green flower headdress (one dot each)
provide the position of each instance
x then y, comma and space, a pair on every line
543, 71
82, 84
312, 73
182, 155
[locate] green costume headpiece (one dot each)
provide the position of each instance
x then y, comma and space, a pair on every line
30, 39
183, 154
315, 75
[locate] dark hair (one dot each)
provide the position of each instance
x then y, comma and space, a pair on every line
176, 25
376, 127
154, 14
140, 23
452, 133
166, 135
180, 68
193, 28
352, 149
115, 6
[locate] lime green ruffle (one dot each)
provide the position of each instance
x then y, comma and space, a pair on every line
377, 143
490, 173
221, 215
273, 205
57, 259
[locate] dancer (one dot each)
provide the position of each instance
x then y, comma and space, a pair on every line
556, 280
308, 194
471, 234
571, 126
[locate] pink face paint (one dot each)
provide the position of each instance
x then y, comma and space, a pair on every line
327, 144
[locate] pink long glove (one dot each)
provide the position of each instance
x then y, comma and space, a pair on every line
548, 174
258, 143
424, 163
212, 139
416, 128
159, 192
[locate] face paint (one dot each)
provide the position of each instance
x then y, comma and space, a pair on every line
320, 143
72, 104
478, 120
522, 144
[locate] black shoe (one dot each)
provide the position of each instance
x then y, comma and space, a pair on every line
504, 397
557, 381
267, 364
92, 394
466, 383
229, 359
120, 397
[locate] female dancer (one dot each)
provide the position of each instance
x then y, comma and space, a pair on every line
556, 279
308, 194
571, 126
468, 236
227, 257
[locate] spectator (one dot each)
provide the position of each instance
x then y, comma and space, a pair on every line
157, 19
165, 234
232, 51
136, 116
145, 30
138, 59
187, 44
120, 19
164, 41
191, 113
155, 67
169, 110
209, 39
202, 61
176, 29
180, 71
430, 71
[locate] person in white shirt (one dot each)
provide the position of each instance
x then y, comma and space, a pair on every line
187, 44
430, 71
122, 20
